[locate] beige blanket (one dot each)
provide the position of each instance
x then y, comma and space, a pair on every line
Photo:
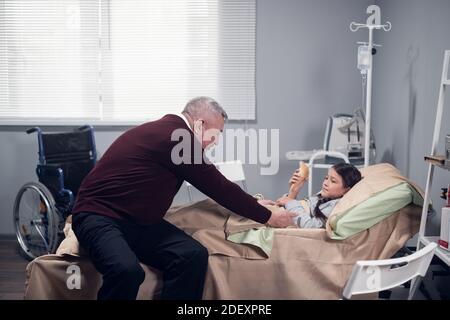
304, 263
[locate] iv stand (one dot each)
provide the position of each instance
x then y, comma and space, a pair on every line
355, 27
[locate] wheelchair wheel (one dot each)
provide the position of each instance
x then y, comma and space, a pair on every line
36, 220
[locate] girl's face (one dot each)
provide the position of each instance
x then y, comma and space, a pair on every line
333, 186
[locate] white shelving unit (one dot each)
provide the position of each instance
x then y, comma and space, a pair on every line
423, 240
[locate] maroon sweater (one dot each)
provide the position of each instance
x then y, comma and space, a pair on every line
136, 178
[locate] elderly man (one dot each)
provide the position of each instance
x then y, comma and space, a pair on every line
118, 215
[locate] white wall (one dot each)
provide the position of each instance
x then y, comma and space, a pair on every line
406, 86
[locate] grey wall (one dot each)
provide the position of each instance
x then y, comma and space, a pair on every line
306, 71
407, 75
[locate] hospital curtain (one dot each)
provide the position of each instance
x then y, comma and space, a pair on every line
123, 62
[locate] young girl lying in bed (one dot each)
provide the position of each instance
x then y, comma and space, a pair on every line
313, 212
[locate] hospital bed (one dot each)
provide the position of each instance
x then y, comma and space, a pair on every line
302, 263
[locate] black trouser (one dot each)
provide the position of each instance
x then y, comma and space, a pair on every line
116, 247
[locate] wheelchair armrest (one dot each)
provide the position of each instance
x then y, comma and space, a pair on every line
52, 176
70, 198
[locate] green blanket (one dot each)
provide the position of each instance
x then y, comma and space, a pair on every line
261, 237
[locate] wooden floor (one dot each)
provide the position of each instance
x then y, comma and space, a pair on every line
12, 269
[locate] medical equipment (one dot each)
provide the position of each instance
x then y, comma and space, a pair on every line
444, 237
365, 58
345, 133
364, 53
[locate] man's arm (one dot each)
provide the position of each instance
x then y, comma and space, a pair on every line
209, 180
206, 178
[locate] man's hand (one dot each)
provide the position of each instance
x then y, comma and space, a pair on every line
266, 202
281, 219
283, 200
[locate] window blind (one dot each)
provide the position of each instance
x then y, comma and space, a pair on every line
124, 62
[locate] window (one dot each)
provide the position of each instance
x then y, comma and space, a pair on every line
123, 62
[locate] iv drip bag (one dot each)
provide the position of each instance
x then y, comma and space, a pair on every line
363, 58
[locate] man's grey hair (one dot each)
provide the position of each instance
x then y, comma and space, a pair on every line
196, 107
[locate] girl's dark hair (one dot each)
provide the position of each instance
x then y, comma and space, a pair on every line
349, 173
350, 176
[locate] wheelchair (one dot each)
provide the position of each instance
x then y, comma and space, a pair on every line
41, 208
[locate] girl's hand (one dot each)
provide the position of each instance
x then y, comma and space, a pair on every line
296, 183
297, 178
